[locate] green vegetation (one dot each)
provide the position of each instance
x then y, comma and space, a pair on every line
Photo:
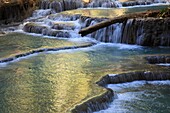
164, 13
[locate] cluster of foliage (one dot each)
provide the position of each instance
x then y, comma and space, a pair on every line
164, 13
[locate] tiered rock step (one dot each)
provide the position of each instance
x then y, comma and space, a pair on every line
158, 59
43, 50
44, 30
60, 25
145, 28
117, 3
56, 25
102, 101
63, 5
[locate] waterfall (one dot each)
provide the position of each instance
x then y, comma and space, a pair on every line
146, 2
128, 32
140, 34
86, 21
145, 32
61, 5
105, 3
113, 33
63, 17
42, 13
116, 3
141, 31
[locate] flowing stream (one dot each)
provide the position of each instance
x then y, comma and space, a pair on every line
61, 76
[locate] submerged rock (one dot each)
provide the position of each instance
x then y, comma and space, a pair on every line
44, 30
10, 59
63, 26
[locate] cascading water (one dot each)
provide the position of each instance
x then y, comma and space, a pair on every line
136, 31
61, 5
105, 3
113, 34
128, 32
42, 13
117, 3
69, 75
56, 25
132, 31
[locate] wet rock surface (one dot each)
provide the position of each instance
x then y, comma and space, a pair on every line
44, 30
133, 76
145, 32
10, 59
95, 104
102, 102
12, 11
158, 59
86, 21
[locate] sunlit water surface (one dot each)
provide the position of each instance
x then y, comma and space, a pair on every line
112, 12
54, 82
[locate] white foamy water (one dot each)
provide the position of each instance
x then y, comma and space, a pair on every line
18, 59
149, 5
164, 64
41, 13
112, 75
127, 94
120, 46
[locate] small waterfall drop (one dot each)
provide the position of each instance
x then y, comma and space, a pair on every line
145, 32
61, 5
42, 13
133, 31
140, 34
129, 33
105, 3
111, 33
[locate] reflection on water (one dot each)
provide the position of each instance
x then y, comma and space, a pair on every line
55, 82
113, 12
15, 43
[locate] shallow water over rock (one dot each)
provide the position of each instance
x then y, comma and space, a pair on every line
56, 81
63, 72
